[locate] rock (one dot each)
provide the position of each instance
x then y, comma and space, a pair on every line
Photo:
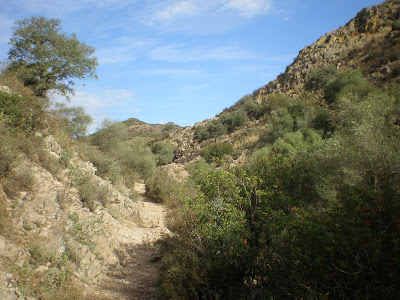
5, 89
41, 269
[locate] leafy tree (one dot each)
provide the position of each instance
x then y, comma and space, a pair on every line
46, 59
77, 121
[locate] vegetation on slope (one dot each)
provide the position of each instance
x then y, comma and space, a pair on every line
313, 214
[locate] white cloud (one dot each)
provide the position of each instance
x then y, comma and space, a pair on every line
103, 103
171, 72
250, 8
203, 15
173, 10
179, 53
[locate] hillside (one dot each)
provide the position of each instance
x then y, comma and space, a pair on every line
370, 42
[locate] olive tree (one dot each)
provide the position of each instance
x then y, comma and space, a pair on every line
46, 59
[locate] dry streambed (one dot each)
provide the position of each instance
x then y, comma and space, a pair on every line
135, 276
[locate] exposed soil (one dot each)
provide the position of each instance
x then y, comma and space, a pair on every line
135, 277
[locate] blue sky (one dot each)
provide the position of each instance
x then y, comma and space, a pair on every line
181, 61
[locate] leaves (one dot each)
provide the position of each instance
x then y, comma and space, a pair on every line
46, 59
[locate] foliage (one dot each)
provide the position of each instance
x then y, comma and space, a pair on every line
342, 80
109, 135
162, 187
254, 110
46, 59
313, 215
323, 121
234, 119
396, 25
319, 78
276, 102
91, 192
135, 155
216, 151
21, 111
213, 129
164, 152
54, 282
279, 123
77, 121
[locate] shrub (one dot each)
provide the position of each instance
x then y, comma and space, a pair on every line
343, 79
234, 119
54, 283
396, 25
275, 102
135, 155
161, 187
164, 152
279, 123
22, 112
109, 136
213, 129
254, 110
319, 78
324, 122
217, 151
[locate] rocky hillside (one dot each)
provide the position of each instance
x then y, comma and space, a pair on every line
369, 42
66, 233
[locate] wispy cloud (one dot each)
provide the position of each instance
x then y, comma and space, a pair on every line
173, 10
99, 103
167, 11
123, 50
203, 16
171, 72
181, 53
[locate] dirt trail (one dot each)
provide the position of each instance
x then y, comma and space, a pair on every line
136, 275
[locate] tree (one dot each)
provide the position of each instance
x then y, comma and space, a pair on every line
46, 59
76, 119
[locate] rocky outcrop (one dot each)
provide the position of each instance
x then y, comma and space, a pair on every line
342, 48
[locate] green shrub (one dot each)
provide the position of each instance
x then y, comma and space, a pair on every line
161, 187
217, 151
254, 110
319, 78
54, 283
164, 152
234, 119
22, 112
324, 122
342, 80
8, 149
136, 156
109, 135
304, 218
213, 129
275, 102
396, 25
279, 123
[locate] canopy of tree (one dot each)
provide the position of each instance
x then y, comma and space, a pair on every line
46, 59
